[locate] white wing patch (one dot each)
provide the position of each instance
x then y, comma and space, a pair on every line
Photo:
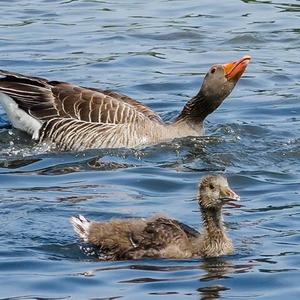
19, 118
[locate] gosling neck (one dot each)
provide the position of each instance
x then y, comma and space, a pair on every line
213, 222
214, 241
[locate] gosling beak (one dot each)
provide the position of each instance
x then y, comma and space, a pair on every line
229, 198
235, 69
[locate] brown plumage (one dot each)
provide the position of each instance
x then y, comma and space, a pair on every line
163, 237
78, 118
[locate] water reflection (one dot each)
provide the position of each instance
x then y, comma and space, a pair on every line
217, 268
169, 274
101, 164
17, 163
288, 7
35, 298
212, 292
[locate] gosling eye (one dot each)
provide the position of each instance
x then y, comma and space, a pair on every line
211, 186
213, 70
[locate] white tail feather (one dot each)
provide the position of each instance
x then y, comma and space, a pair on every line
81, 226
19, 118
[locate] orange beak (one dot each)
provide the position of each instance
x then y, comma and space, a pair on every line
235, 69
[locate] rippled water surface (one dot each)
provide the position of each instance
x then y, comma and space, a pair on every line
156, 52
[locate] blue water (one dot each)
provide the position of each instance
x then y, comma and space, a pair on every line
156, 52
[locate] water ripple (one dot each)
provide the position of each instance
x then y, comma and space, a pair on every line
156, 52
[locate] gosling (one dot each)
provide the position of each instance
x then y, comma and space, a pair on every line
161, 237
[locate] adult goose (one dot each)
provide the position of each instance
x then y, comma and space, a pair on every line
77, 118
161, 237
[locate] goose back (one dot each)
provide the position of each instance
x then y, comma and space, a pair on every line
44, 100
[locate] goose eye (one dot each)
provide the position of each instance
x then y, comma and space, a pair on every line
211, 186
213, 70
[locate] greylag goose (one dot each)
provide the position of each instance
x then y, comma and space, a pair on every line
78, 118
161, 237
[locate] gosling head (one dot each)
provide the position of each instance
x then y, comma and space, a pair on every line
215, 192
221, 79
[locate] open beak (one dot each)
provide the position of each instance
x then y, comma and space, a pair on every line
229, 198
235, 69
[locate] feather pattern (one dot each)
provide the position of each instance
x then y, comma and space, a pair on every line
158, 235
77, 118
73, 134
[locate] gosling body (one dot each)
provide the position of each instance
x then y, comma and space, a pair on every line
162, 237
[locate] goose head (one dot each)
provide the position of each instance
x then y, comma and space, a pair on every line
220, 79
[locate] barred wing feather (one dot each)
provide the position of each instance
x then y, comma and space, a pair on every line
73, 134
45, 100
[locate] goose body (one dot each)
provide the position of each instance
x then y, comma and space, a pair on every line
78, 118
162, 237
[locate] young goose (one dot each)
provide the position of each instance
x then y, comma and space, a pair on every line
163, 237
78, 118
